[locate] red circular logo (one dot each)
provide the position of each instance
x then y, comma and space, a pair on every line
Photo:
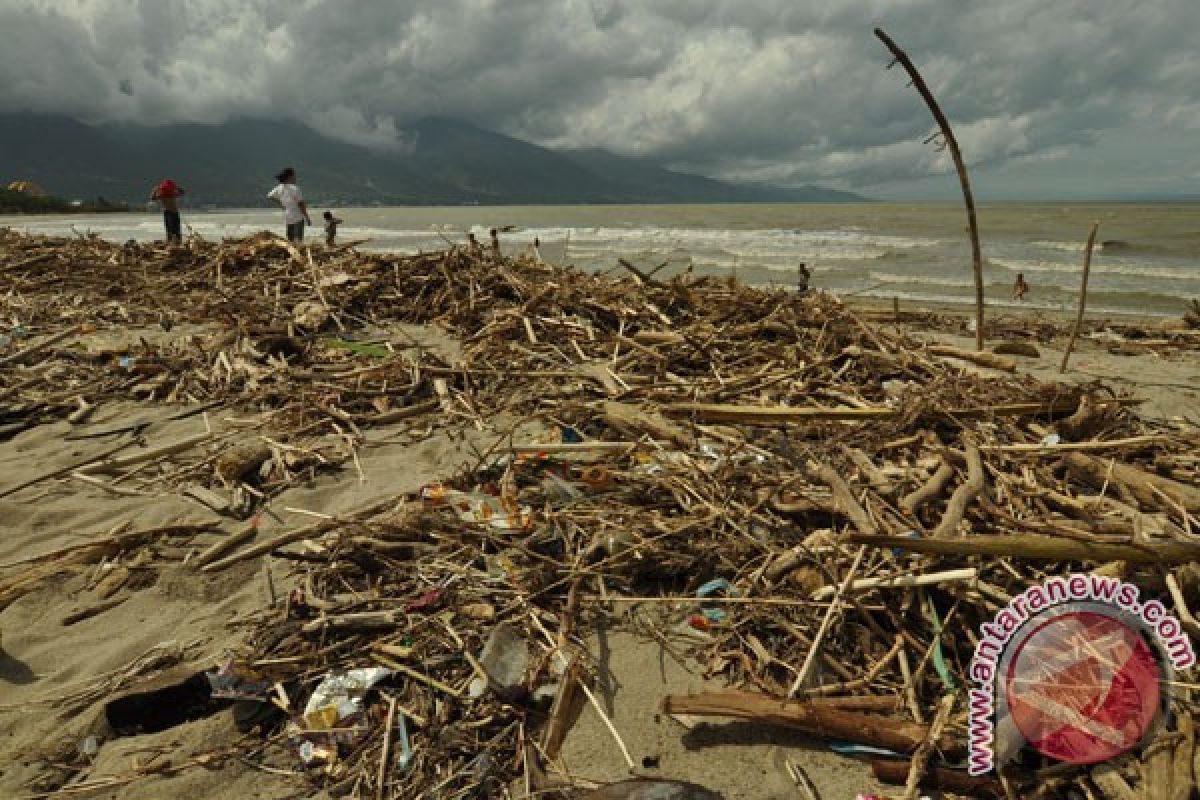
1083, 687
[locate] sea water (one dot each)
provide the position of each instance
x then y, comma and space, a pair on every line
1146, 260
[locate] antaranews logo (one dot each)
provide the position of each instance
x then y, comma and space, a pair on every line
1077, 667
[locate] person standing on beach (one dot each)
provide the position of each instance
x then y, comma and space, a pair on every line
289, 197
1020, 287
803, 276
495, 243
167, 194
331, 223
473, 246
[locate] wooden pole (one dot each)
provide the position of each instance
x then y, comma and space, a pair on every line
956, 154
1087, 266
812, 718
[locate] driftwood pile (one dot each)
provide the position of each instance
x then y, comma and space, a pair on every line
851, 503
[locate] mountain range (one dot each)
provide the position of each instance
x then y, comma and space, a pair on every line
449, 162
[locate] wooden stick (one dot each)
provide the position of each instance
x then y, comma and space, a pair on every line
1087, 265
398, 414
562, 660
1054, 449
810, 658
776, 415
920, 759
381, 777
818, 693
225, 544
854, 702
965, 575
959, 783
418, 676
296, 534
982, 358
959, 166
356, 621
1188, 621
812, 718
572, 447
910, 689
564, 710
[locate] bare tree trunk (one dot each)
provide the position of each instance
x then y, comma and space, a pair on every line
1087, 266
956, 154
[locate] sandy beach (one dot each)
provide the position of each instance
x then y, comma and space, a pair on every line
81, 608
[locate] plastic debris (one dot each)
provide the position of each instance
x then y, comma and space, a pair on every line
334, 715
505, 659
478, 507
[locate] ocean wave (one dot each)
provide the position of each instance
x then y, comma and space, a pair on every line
1132, 270
752, 241
1064, 247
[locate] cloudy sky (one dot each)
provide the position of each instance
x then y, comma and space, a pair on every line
1057, 98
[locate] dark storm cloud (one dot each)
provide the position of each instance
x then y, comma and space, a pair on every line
778, 90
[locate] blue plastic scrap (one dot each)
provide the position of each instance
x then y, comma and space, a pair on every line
717, 585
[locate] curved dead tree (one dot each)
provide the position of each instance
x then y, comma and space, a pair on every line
956, 154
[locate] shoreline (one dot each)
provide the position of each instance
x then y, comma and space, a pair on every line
1006, 312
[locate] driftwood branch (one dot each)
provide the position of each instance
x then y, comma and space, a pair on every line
844, 501
1087, 266
812, 718
949, 780
963, 495
1148, 489
956, 154
929, 490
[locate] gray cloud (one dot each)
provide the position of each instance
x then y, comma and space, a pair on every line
789, 91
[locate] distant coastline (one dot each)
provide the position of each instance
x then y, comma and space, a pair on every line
18, 202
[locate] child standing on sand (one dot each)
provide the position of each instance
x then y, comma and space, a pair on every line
295, 211
331, 223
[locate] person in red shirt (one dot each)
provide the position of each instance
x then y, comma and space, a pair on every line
167, 195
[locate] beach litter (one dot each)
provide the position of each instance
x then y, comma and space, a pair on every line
844, 503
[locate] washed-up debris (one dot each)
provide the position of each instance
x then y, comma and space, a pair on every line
819, 512
504, 659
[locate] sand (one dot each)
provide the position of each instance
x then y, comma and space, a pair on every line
43, 658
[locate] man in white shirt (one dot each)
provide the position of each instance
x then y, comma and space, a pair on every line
295, 211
